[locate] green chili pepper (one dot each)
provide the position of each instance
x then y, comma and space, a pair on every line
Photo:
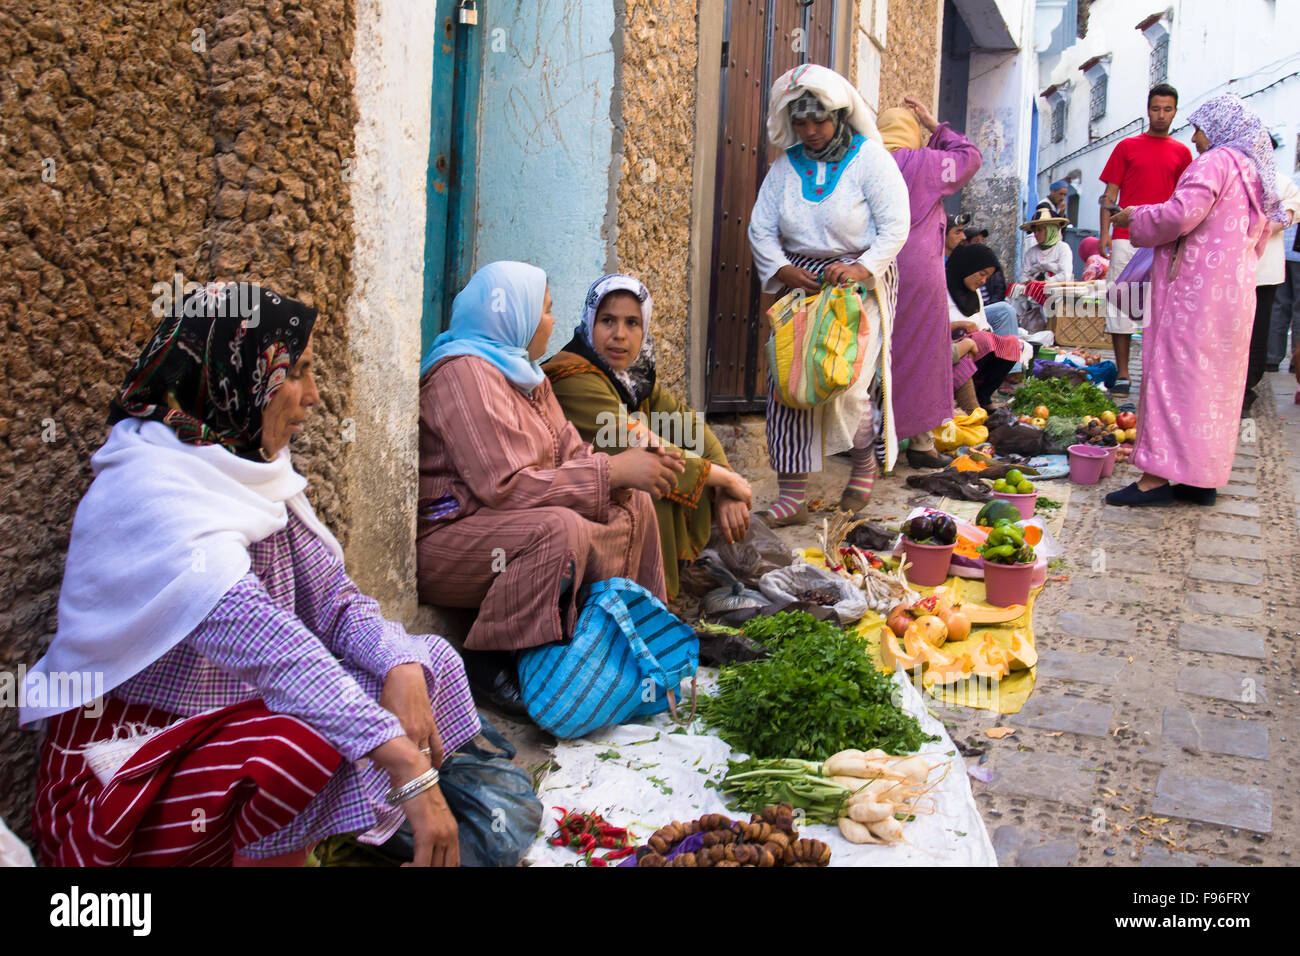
1001, 551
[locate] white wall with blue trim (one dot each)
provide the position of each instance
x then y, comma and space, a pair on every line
545, 144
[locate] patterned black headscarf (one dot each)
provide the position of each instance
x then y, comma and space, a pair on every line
809, 105
213, 364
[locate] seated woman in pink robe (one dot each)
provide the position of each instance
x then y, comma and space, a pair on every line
1196, 345
516, 511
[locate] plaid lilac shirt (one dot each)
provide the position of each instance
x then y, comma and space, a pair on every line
298, 633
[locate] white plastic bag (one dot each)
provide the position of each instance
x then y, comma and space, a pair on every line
786, 584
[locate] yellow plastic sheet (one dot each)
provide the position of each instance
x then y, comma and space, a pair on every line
1006, 696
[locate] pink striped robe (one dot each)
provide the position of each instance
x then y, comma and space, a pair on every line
510, 496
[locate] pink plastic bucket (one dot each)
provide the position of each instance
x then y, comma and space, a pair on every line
1108, 466
1024, 503
1086, 462
929, 562
1007, 584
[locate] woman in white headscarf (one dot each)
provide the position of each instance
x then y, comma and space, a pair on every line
516, 511
833, 208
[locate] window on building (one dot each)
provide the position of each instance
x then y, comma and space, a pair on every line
1058, 121
1160, 61
1097, 102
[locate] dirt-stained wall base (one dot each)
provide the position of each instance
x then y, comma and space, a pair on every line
139, 141
654, 191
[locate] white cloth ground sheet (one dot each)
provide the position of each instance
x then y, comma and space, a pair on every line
645, 776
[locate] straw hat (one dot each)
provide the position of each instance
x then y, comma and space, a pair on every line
1043, 217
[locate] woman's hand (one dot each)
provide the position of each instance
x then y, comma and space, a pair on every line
842, 272
923, 114
966, 347
733, 518
432, 824
732, 485
970, 328
793, 277
650, 469
406, 695
1122, 219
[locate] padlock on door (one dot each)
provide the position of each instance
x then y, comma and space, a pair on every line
468, 13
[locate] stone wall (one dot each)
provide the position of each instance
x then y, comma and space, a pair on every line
135, 147
908, 65
654, 191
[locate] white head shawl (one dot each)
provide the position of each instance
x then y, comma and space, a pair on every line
833, 90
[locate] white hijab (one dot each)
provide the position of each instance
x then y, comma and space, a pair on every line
161, 534
834, 92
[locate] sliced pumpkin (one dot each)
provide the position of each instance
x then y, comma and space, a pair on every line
990, 660
929, 630
909, 658
1033, 534
981, 614
1021, 653
958, 670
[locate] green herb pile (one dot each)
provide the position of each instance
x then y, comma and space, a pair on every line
1061, 398
1060, 430
817, 694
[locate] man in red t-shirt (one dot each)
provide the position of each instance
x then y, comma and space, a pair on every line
1142, 169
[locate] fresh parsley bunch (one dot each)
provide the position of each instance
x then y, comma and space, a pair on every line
817, 694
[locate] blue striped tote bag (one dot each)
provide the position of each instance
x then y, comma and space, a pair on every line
628, 656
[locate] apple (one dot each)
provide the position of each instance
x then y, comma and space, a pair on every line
1126, 420
1108, 418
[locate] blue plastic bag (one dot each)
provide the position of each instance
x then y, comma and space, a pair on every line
627, 658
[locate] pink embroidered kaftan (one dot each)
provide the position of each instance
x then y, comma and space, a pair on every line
1197, 341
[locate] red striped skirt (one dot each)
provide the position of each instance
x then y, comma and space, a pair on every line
1004, 346
191, 795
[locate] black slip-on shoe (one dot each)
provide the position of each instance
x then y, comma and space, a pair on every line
927, 459
494, 681
1121, 387
1193, 495
1132, 497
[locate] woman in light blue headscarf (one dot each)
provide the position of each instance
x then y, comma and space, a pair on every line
516, 512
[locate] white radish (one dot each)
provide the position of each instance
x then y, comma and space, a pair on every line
871, 812
855, 832
914, 770
889, 830
877, 791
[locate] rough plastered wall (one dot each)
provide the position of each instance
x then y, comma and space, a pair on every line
657, 121
132, 148
907, 66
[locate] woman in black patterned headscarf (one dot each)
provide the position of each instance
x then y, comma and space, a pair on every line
209, 378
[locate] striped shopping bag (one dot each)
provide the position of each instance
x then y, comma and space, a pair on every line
627, 658
817, 345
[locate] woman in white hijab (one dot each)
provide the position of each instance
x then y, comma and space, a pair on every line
832, 209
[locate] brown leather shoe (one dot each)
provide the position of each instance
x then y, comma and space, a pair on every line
769, 519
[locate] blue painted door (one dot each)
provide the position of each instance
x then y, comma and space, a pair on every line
449, 225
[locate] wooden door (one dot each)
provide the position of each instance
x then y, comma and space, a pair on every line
763, 39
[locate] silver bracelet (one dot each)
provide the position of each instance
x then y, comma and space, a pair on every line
425, 781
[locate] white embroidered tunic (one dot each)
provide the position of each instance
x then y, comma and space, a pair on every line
856, 207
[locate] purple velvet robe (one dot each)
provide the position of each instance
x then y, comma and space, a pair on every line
921, 352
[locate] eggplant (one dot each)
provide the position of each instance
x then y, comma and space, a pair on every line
920, 528
945, 530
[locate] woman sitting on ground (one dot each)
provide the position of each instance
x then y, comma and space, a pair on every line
605, 375
517, 513
968, 268
249, 674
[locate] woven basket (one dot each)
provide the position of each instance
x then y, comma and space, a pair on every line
1077, 314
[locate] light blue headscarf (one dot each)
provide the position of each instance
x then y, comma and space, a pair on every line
495, 317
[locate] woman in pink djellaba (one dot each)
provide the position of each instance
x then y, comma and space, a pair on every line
1207, 241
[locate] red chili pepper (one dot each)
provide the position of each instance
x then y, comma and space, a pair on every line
619, 854
588, 843
597, 861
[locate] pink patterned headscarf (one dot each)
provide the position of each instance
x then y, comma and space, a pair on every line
1227, 121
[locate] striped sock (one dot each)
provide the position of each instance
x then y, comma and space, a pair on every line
863, 476
791, 490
